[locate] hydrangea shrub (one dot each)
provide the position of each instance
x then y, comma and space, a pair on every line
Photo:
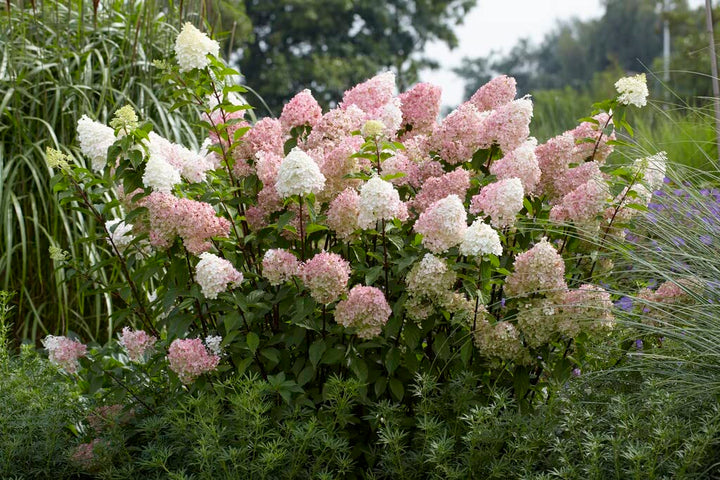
372, 241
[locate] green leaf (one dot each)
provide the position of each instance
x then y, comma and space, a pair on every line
271, 354
392, 360
359, 367
397, 389
305, 375
332, 356
316, 351
466, 352
253, 342
380, 386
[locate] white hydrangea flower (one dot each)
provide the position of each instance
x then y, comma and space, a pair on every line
121, 235
95, 139
653, 169
379, 200
191, 165
481, 239
192, 47
633, 90
213, 274
212, 342
160, 175
299, 174
443, 224
391, 117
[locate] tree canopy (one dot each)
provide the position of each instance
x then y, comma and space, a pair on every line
329, 45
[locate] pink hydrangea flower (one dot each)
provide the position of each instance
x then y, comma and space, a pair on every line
456, 182
443, 224
302, 109
189, 358
501, 200
583, 204
539, 270
521, 163
457, 138
214, 274
586, 137
400, 163
553, 158
279, 266
64, 352
195, 222
421, 107
366, 310
342, 215
265, 136
335, 125
371, 94
508, 126
136, 343
494, 94
326, 276
267, 165
587, 308
337, 162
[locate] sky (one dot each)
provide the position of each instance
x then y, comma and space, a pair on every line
497, 25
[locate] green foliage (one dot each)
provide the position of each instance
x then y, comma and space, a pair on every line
38, 411
328, 45
613, 426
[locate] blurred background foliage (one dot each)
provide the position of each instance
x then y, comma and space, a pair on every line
62, 59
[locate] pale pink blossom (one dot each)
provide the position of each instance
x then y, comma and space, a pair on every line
457, 138
335, 125
497, 92
214, 274
195, 222
501, 200
508, 126
443, 224
342, 215
366, 310
136, 343
421, 107
326, 276
190, 358
265, 136
280, 266
591, 139
64, 352
456, 182
302, 109
371, 94
521, 163
539, 270
582, 205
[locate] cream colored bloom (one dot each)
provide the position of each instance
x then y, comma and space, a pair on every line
633, 90
192, 47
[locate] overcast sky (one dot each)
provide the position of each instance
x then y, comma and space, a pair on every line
497, 25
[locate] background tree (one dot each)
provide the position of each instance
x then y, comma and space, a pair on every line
327, 45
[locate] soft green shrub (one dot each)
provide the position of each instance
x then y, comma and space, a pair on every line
38, 411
